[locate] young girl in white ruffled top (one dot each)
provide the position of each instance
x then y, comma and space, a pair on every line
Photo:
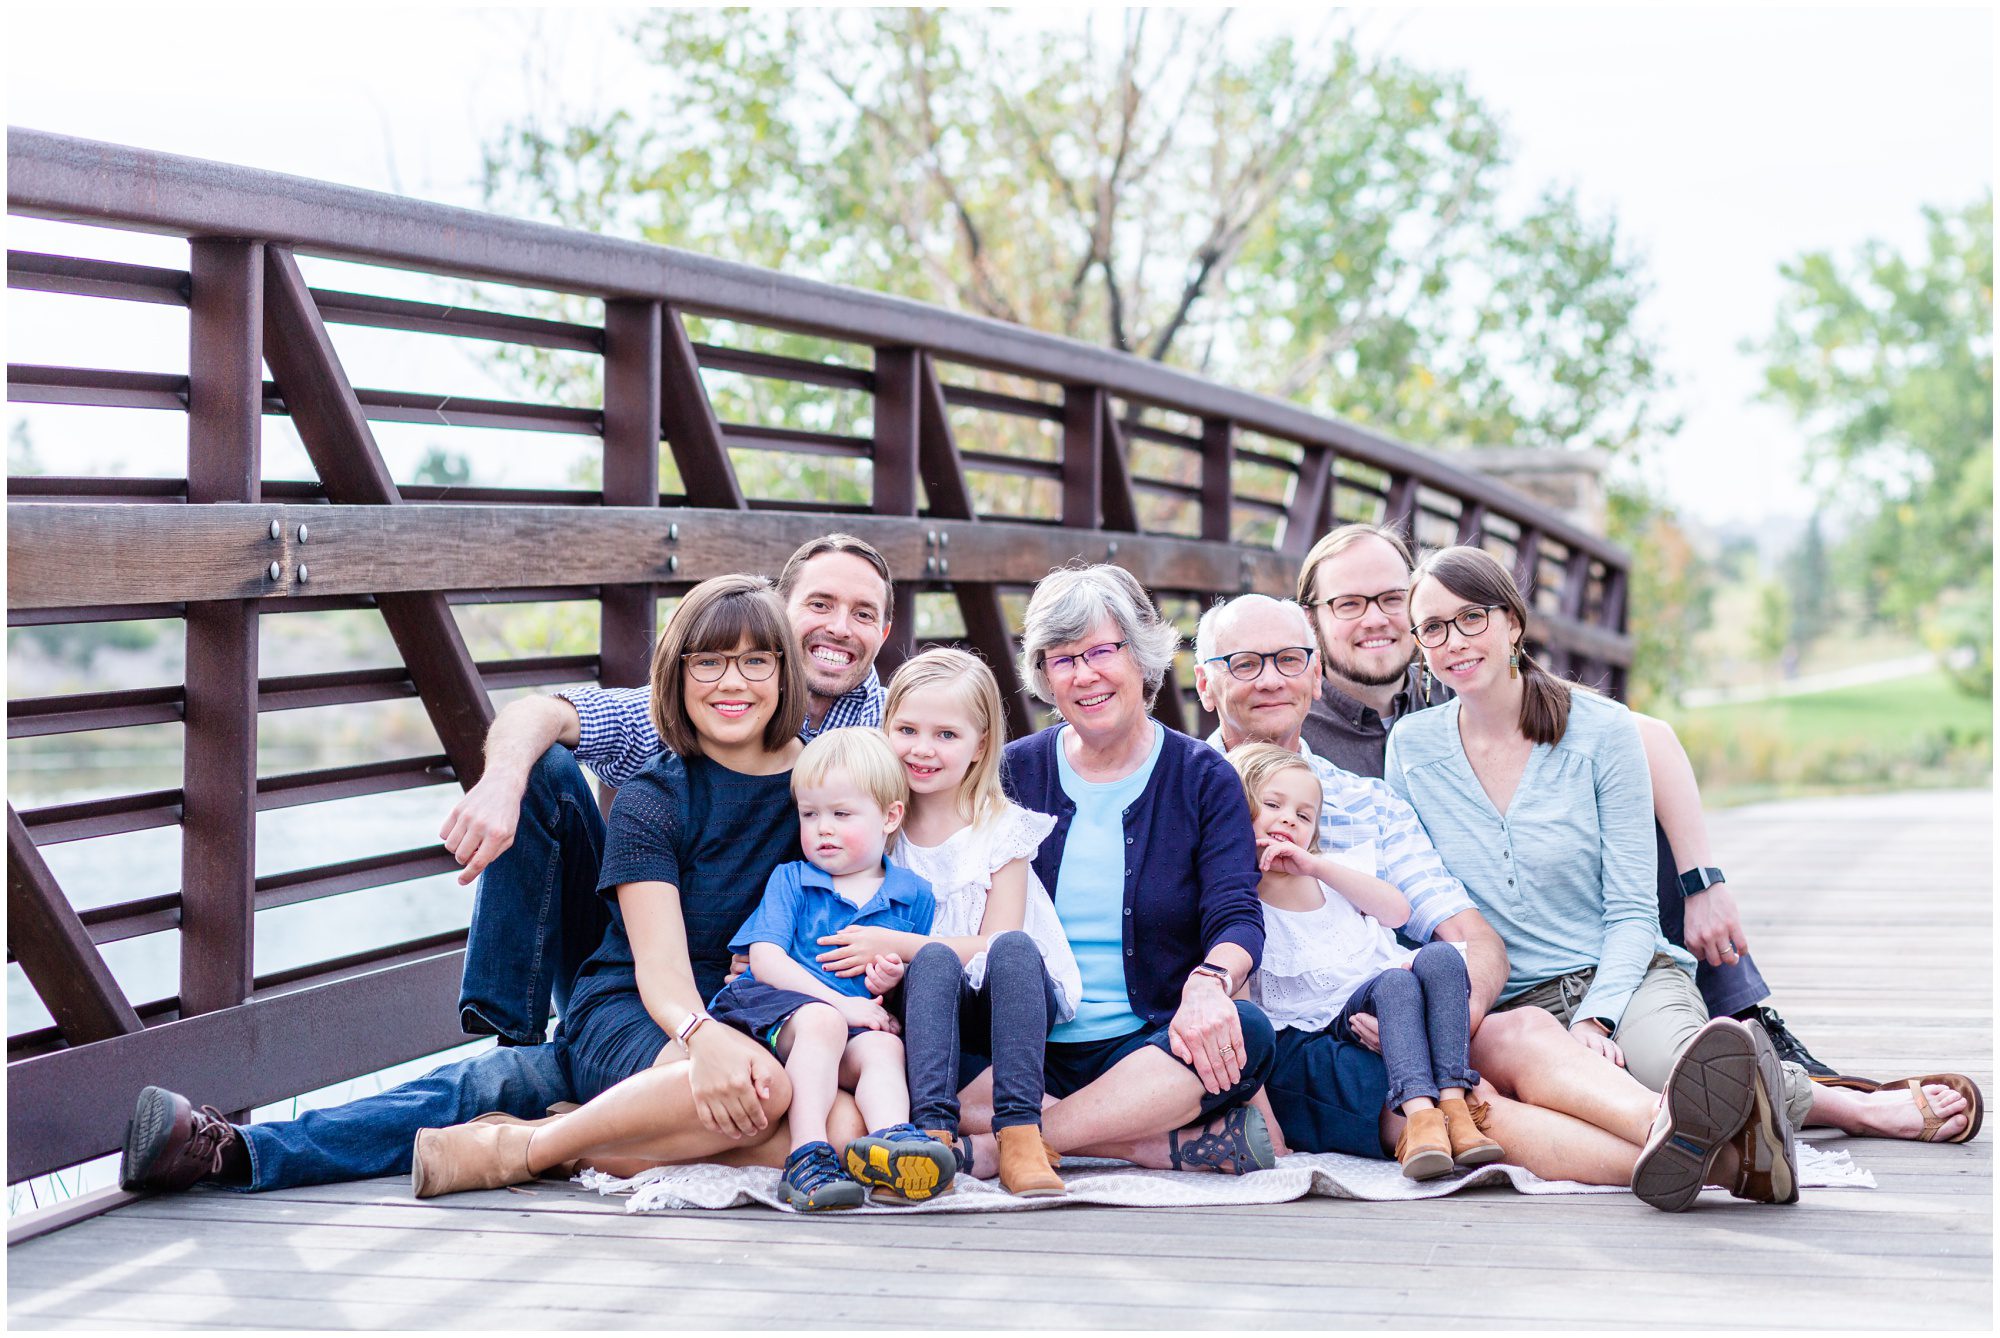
1330, 956
996, 961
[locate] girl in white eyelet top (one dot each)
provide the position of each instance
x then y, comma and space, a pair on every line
996, 957
1330, 955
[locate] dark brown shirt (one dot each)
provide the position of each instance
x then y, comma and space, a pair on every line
1353, 735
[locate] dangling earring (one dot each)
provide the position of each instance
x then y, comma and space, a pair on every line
1514, 662
1427, 682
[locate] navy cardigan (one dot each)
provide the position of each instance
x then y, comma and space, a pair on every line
1190, 871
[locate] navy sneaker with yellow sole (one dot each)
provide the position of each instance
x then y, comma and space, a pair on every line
814, 1183
901, 1162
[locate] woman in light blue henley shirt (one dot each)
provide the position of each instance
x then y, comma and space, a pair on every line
1536, 794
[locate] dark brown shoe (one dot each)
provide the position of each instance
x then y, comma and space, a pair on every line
170, 1145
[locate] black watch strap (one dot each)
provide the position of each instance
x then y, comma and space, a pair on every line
1696, 881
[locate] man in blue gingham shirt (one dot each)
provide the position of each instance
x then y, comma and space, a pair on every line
533, 828
1270, 707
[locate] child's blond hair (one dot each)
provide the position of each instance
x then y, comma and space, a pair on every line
1258, 763
980, 796
863, 756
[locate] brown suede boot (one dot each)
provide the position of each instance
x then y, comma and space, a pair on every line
1026, 1170
1425, 1147
561, 1170
1469, 1144
469, 1156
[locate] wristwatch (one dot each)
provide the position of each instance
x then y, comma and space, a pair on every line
689, 1027
1696, 881
1221, 973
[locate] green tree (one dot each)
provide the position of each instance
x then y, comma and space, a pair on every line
1887, 359
1809, 574
1289, 215
1773, 632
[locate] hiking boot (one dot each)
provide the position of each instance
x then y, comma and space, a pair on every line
1710, 1096
1770, 1170
1470, 1144
1425, 1147
903, 1162
813, 1182
1789, 1048
1026, 1168
170, 1145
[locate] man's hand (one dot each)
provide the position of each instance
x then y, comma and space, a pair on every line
731, 1076
868, 1013
1207, 1034
480, 826
884, 974
850, 951
1594, 1037
1712, 927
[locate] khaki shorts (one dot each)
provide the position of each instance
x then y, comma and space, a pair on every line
1664, 1014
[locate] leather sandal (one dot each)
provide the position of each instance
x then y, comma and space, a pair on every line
1975, 1105
1235, 1143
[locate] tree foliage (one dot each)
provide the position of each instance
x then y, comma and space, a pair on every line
1287, 214
1888, 361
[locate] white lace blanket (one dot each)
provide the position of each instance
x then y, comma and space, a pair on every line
1112, 1183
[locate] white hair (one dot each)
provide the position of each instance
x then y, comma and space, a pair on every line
1069, 601
1208, 631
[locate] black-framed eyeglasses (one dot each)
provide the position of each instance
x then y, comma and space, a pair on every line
1249, 664
1347, 608
1433, 631
1097, 657
708, 666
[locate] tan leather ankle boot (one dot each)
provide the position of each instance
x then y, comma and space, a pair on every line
470, 1156
1470, 1145
1025, 1169
1425, 1147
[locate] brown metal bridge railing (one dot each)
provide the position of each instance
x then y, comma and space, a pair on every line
1168, 474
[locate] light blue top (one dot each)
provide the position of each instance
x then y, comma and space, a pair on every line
1090, 895
1566, 875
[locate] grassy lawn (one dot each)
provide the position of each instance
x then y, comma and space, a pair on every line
1917, 732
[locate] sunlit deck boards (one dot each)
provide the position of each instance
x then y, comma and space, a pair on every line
1871, 916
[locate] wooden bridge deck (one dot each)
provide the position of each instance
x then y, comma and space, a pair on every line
1872, 917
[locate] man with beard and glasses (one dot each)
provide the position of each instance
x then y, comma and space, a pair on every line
1354, 585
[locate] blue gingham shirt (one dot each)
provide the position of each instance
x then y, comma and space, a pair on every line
617, 741
1359, 810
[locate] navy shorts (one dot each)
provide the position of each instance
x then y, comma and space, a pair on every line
1328, 1094
607, 1037
1071, 1067
761, 1010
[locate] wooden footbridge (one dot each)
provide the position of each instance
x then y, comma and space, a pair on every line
975, 455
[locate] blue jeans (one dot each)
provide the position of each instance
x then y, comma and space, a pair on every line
1727, 989
374, 1135
1424, 1016
1009, 1015
537, 914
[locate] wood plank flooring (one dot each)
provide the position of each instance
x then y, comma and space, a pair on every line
1871, 917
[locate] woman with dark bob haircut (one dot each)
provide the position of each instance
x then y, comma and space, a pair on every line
688, 848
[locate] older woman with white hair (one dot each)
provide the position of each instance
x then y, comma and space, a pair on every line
1152, 865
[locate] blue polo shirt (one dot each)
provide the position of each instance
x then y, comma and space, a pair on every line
800, 907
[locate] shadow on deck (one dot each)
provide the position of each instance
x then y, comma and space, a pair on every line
1871, 916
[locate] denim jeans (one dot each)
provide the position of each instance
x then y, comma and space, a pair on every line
537, 914
1069, 1068
1727, 989
1009, 1017
373, 1135
1424, 1016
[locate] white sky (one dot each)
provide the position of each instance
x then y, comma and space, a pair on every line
1725, 140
